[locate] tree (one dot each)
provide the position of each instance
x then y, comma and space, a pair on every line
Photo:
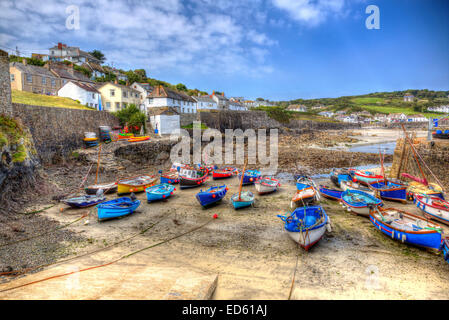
259, 99
99, 55
132, 116
181, 87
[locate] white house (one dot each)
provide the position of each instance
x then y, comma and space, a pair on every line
63, 52
144, 90
165, 97
236, 106
397, 117
85, 93
164, 120
409, 98
297, 108
442, 109
416, 118
221, 100
205, 103
327, 114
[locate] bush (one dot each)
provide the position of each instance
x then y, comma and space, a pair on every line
132, 116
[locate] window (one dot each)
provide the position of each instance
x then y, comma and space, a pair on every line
112, 93
44, 80
108, 105
150, 100
64, 82
53, 82
124, 105
125, 94
93, 95
29, 78
12, 77
117, 105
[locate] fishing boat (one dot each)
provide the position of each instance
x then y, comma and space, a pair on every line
267, 185
191, 177
351, 185
159, 192
122, 136
211, 195
330, 193
85, 201
389, 191
303, 182
439, 134
431, 189
365, 177
445, 248
359, 202
223, 173
306, 225
138, 139
303, 197
176, 166
250, 176
106, 188
135, 184
117, 208
170, 177
242, 199
407, 227
338, 175
433, 208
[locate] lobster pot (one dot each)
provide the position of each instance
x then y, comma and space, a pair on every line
90, 135
90, 144
105, 133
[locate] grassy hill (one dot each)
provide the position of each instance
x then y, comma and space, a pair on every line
44, 100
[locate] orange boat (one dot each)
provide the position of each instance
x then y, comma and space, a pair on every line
137, 139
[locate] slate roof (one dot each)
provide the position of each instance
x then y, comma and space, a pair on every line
163, 92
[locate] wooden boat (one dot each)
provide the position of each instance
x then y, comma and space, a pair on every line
138, 139
223, 173
267, 185
329, 193
439, 134
389, 191
176, 166
159, 192
433, 208
306, 225
407, 227
190, 177
135, 184
365, 177
250, 176
117, 208
359, 202
246, 199
303, 182
84, 201
211, 195
337, 175
445, 248
432, 189
170, 177
303, 197
350, 185
90, 139
125, 136
106, 188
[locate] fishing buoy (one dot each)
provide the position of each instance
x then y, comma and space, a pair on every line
163, 196
250, 179
171, 193
61, 209
213, 196
215, 216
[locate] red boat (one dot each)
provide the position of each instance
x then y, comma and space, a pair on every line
223, 173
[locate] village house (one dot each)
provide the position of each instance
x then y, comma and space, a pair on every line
205, 103
297, 108
327, 114
66, 73
442, 109
416, 118
164, 120
409, 98
63, 52
236, 106
34, 79
396, 117
220, 100
115, 96
145, 90
380, 117
85, 93
165, 97
95, 68
249, 103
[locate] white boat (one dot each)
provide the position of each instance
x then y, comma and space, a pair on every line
433, 207
303, 197
266, 185
351, 185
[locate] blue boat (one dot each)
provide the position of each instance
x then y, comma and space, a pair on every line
303, 182
306, 225
330, 193
407, 227
85, 201
117, 208
211, 195
170, 177
159, 192
390, 191
339, 175
250, 176
359, 202
445, 248
246, 199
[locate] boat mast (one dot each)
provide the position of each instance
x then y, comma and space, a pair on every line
414, 154
98, 163
241, 180
382, 167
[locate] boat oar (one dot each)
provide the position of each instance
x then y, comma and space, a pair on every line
241, 180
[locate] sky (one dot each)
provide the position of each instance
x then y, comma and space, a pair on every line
274, 49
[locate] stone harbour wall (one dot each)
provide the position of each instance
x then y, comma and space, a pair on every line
5, 84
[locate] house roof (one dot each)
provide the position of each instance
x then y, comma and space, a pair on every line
63, 72
296, 106
93, 66
220, 97
156, 111
164, 92
146, 86
84, 86
118, 85
32, 69
203, 99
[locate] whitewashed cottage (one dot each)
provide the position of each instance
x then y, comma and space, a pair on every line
85, 93
165, 97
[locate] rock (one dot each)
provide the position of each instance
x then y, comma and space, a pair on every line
5, 268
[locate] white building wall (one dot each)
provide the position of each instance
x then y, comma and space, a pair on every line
72, 91
166, 124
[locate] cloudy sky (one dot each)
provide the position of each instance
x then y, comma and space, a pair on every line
277, 49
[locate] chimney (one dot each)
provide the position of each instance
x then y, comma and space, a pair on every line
116, 81
70, 69
222, 94
24, 61
213, 93
127, 83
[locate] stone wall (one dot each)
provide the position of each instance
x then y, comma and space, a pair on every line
58, 131
435, 154
5, 84
187, 118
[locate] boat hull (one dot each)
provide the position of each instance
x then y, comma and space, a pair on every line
125, 187
247, 200
431, 210
336, 177
266, 185
159, 192
250, 177
191, 183
105, 212
223, 173
211, 196
84, 201
366, 178
391, 191
361, 207
445, 248
330, 193
107, 188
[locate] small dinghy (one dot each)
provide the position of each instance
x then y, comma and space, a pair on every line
339, 174
106, 188
359, 202
85, 201
445, 248
211, 195
329, 193
365, 177
407, 227
170, 177
138, 139
306, 225
350, 185
303, 182
250, 177
303, 197
190, 177
136, 184
267, 185
117, 208
223, 173
389, 191
159, 192
246, 199
433, 207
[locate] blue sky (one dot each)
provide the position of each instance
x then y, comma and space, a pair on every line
276, 49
